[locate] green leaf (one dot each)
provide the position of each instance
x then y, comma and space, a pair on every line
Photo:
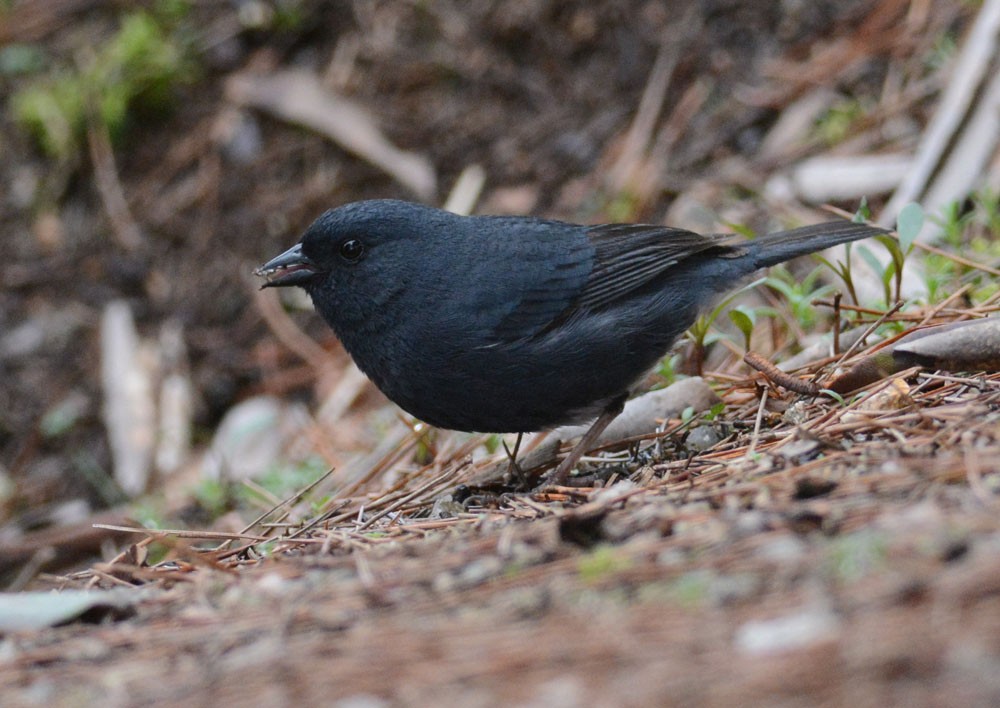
890, 270
908, 225
868, 257
834, 395
743, 321
786, 289
864, 212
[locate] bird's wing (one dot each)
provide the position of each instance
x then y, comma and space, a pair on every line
628, 256
553, 271
601, 265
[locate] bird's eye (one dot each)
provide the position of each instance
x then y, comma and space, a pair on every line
351, 250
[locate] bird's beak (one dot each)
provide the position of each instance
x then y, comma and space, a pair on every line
290, 268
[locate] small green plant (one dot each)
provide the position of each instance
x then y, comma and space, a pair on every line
136, 69
700, 333
909, 223
492, 443
622, 208
953, 222
214, 496
715, 411
972, 230
841, 401
799, 295
987, 211
942, 52
148, 512
289, 15
851, 557
63, 417
843, 268
21, 59
89, 468
692, 589
282, 481
668, 368
602, 562
838, 122
744, 318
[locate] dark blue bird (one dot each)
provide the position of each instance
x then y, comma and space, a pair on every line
509, 324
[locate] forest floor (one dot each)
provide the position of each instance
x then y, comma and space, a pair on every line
763, 548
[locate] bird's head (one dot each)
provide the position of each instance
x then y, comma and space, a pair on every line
353, 258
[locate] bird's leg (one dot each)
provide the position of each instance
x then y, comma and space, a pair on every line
610, 412
514, 469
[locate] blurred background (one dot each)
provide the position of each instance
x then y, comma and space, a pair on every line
155, 152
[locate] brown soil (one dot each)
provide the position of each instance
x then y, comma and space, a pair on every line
836, 560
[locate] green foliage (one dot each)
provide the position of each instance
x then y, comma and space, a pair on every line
975, 234
799, 294
699, 333
692, 589
218, 496
835, 396
864, 212
838, 122
690, 417
62, 418
943, 51
136, 69
289, 16
148, 512
424, 452
739, 228
214, 496
884, 273
668, 368
99, 478
283, 481
602, 562
18, 59
909, 223
744, 318
953, 221
987, 210
492, 443
852, 557
53, 112
622, 208
843, 268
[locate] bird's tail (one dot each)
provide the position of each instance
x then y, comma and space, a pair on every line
784, 245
